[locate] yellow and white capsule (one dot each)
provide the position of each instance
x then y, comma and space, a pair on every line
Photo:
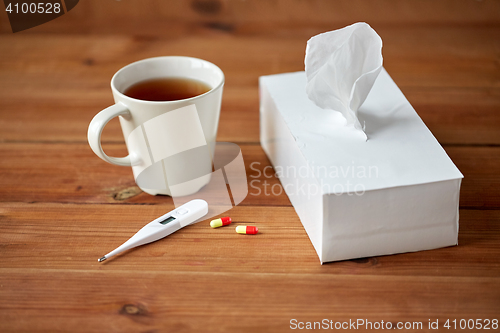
247, 230
220, 222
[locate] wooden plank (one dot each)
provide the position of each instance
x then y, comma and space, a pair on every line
449, 75
72, 173
61, 120
72, 237
421, 56
261, 16
480, 166
82, 301
454, 116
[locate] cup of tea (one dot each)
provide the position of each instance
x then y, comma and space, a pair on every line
168, 108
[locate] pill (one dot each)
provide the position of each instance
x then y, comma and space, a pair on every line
220, 222
248, 230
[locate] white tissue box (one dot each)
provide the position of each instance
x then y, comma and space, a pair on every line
397, 192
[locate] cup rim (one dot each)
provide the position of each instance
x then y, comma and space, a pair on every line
125, 97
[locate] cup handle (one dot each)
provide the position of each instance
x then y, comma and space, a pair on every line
95, 130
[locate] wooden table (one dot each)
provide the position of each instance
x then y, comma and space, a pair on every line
61, 207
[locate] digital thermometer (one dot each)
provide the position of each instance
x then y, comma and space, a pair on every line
187, 214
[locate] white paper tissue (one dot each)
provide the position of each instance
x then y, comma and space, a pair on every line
341, 67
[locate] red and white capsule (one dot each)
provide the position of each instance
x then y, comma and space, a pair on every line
220, 222
247, 230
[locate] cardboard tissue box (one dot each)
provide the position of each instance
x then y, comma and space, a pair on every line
396, 192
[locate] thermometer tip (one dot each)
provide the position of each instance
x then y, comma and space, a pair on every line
101, 259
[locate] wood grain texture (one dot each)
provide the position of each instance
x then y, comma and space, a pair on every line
210, 276
188, 302
449, 75
71, 173
67, 236
61, 207
260, 16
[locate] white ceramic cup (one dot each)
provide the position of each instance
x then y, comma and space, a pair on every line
168, 142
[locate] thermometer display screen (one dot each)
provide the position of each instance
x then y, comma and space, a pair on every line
168, 220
